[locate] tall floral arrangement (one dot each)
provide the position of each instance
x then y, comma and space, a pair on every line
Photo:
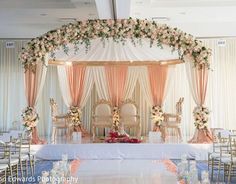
201, 114
116, 118
82, 32
30, 118
74, 114
157, 116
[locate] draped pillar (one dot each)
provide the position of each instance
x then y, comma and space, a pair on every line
34, 78
75, 77
198, 79
131, 81
100, 81
116, 78
158, 77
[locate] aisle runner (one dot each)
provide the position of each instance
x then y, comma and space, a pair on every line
124, 171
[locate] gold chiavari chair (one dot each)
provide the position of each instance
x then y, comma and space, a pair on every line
21, 156
26, 150
215, 153
6, 159
3, 166
224, 147
230, 162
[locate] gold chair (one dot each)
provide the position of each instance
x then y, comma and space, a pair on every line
214, 155
173, 121
6, 152
130, 117
229, 162
26, 149
102, 116
59, 121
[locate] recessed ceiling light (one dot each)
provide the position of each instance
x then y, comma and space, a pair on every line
43, 14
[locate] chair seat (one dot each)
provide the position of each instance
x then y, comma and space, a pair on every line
14, 161
130, 123
23, 156
3, 167
216, 155
227, 160
171, 124
102, 124
59, 125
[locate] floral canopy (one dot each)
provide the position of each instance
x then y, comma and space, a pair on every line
82, 32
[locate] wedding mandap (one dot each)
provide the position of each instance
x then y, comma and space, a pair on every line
115, 56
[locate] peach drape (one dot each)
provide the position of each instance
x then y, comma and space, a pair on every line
76, 76
116, 78
34, 80
198, 82
158, 77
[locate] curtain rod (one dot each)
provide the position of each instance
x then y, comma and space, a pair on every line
133, 63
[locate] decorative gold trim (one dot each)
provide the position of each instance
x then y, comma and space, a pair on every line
129, 101
100, 102
133, 63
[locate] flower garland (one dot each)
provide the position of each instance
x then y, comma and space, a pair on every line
74, 114
30, 118
82, 32
200, 114
116, 118
157, 116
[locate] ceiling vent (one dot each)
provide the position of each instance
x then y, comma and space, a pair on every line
67, 20
221, 43
160, 18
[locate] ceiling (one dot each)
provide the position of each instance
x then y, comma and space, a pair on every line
202, 18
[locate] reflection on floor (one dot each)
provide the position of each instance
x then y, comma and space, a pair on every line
120, 171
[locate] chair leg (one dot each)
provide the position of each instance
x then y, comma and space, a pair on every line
93, 133
229, 174
53, 134
31, 167
218, 176
212, 168
179, 132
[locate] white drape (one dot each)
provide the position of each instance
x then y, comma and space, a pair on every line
42, 71
100, 81
145, 85
88, 85
192, 81
131, 81
64, 86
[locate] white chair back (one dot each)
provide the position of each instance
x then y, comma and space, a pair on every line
102, 111
128, 112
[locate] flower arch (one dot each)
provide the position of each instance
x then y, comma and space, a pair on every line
82, 32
